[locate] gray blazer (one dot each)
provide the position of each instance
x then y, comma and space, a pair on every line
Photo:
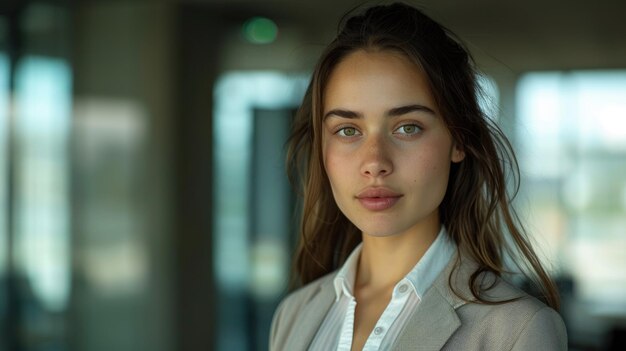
441, 321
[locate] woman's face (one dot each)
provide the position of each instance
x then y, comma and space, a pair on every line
386, 149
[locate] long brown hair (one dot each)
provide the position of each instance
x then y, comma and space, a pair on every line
476, 209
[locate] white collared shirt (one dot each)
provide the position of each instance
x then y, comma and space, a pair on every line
337, 329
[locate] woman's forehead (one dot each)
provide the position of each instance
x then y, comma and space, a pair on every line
379, 79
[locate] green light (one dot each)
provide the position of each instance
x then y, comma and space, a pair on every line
260, 30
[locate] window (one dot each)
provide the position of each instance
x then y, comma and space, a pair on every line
572, 142
252, 202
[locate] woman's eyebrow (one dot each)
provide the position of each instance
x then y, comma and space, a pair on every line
396, 111
343, 113
403, 110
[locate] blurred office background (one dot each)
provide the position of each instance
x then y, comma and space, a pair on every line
143, 201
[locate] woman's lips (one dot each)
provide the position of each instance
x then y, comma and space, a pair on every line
378, 199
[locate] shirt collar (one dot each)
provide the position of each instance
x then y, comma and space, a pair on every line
421, 276
344, 281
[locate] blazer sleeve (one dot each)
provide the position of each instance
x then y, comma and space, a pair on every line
544, 331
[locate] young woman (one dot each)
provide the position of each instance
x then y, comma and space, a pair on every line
406, 219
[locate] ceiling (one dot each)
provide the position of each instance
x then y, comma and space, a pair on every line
530, 34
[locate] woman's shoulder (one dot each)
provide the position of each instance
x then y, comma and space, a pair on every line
502, 297
507, 318
305, 302
514, 318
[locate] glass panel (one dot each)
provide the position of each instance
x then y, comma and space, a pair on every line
4, 247
43, 110
41, 200
572, 142
4, 115
252, 232
35, 111
112, 277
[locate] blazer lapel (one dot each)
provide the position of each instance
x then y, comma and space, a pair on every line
432, 324
313, 315
435, 318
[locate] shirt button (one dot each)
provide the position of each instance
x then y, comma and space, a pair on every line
378, 330
403, 288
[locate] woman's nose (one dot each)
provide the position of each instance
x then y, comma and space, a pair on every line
376, 159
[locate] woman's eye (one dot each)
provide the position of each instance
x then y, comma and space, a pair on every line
348, 132
408, 129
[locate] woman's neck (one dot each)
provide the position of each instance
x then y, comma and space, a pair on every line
386, 260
